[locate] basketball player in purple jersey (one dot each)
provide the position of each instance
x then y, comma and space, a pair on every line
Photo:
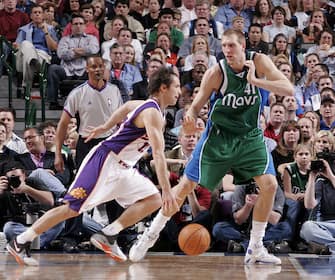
107, 172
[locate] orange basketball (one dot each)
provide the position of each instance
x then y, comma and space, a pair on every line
194, 239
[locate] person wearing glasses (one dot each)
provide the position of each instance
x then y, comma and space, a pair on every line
72, 51
39, 159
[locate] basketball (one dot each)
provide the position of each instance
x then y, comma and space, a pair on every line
194, 239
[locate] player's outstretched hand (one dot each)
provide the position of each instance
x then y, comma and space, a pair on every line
94, 132
170, 205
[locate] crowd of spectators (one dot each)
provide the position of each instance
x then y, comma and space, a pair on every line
130, 40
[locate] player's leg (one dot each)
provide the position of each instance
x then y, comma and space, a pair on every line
19, 247
106, 239
138, 195
256, 252
150, 236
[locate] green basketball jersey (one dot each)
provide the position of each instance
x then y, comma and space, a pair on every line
237, 111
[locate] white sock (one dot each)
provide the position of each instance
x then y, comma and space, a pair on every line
257, 233
27, 236
158, 223
112, 229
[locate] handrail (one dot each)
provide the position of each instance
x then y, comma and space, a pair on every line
9, 67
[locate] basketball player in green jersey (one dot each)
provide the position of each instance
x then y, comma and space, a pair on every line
232, 140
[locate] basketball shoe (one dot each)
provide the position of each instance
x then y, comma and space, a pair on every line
260, 256
108, 244
21, 252
142, 245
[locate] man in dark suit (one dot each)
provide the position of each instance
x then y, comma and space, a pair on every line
254, 41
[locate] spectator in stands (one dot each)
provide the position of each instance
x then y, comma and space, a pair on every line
277, 117
314, 117
325, 48
202, 9
320, 196
307, 130
72, 50
152, 17
262, 14
70, 7
140, 90
39, 157
308, 95
129, 54
278, 26
325, 82
14, 200
136, 9
125, 37
234, 8
99, 17
13, 142
202, 28
291, 107
10, 21
163, 41
317, 23
121, 73
87, 12
113, 27
280, 46
303, 13
187, 11
122, 8
5, 153
310, 60
327, 111
35, 42
166, 16
296, 174
254, 40
199, 45
289, 138
49, 16
236, 233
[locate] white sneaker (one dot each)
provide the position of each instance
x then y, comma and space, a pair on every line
108, 244
260, 256
142, 245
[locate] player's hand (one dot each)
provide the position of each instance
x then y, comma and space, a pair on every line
59, 163
189, 125
251, 72
94, 132
170, 205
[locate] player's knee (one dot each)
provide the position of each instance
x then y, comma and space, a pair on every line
68, 212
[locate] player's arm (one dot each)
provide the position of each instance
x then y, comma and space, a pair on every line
59, 140
210, 82
275, 80
154, 125
117, 117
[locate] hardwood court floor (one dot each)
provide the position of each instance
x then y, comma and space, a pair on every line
165, 267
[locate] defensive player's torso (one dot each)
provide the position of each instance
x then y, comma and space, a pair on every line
237, 110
